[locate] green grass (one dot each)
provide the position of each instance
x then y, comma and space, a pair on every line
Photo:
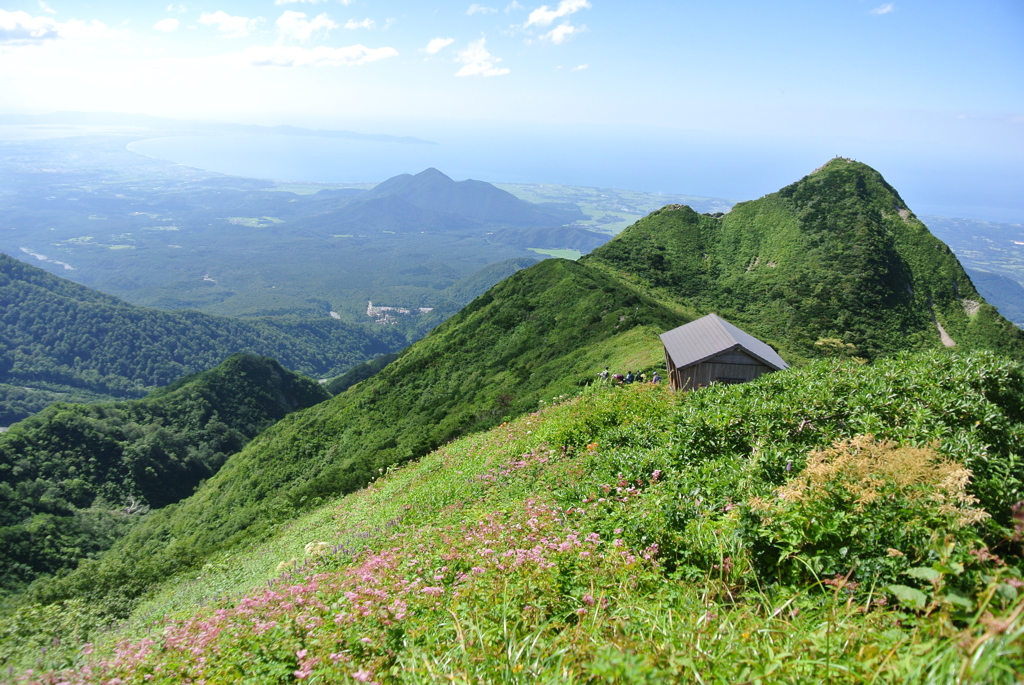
600, 539
561, 254
544, 332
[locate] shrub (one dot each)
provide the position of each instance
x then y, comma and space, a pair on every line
865, 508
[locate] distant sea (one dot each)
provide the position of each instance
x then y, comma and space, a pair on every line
688, 164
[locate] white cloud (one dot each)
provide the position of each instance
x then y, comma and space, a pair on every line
167, 25
478, 61
558, 34
581, 67
231, 27
21, 28
545, 16
295, 25
480, 9
320, 56
513, 6
883, 9
436, 45
352, 24
46, 8
179, 8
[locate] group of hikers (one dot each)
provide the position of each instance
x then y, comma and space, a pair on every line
630, 377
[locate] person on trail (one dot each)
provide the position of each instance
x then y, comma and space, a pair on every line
640, 378
629, 376
604, 374
656, 379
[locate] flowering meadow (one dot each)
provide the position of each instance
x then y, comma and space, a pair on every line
836, 523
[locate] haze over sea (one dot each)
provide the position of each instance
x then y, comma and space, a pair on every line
654, 161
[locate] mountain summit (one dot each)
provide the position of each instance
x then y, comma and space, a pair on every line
475, 200
835, 258
431, 202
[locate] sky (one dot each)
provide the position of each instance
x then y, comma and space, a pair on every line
922, 87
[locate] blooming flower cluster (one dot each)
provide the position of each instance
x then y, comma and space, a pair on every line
354, 621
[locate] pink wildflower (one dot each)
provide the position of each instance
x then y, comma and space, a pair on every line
362, 676
433, 591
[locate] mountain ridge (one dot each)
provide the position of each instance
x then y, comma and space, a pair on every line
836, 255
545, 331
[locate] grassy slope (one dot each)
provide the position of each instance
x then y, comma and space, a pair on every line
544, 332
835, 255
541, 333
537, 335
601, 540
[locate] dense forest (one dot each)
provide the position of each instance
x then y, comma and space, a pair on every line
74, 478
60, 340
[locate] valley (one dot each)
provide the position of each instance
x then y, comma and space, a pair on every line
481, 507
457, 329
536, 343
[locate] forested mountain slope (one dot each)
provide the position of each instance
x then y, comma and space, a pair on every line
61, 337
543, 332
548, 329
75, 477
837, 255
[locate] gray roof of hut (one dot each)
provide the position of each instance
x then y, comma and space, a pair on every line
711, 335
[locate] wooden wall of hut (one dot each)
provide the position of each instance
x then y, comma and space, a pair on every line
730, 367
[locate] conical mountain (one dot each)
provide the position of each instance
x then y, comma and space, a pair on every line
478, 201
836, 256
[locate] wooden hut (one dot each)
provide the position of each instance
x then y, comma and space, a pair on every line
712, 350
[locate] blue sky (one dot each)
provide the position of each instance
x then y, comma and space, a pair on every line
938, 85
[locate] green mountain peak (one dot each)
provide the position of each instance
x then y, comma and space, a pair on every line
835, 256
